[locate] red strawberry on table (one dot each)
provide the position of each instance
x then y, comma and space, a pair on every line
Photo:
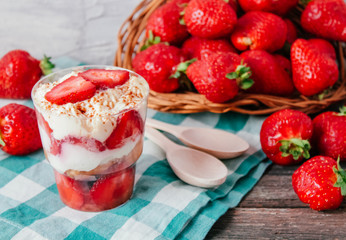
157, 64
285, 136
312, 70
268, 75
72, 90
209, 18
220, 76
106, 78
330, 134
259, 30
19, 72
112, 190
274, 6
164, 22
19, 130
129, 124
70, 191
320, 182
325, 19
199, 48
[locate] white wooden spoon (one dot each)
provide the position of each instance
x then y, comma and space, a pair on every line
218, 143
190, 165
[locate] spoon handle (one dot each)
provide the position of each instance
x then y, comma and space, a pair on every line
170, 128
158, 138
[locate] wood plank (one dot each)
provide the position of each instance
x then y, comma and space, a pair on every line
274, 190
285, 223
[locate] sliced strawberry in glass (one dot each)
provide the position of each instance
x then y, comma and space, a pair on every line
55, 146
43, 123
72, 90
129, 124
70, 191
114, 189
106, 78
91, 144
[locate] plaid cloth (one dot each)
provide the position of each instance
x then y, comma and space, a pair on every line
162, 206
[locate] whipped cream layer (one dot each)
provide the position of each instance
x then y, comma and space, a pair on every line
95, 117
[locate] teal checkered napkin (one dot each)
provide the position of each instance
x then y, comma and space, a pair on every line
162, 206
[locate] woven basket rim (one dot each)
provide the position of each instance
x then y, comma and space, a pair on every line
131, 38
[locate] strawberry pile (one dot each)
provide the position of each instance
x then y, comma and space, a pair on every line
224, 47
290, 136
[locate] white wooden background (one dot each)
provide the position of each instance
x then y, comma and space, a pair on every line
83, 29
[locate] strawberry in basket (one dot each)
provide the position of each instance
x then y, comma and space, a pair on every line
313, 70
209, 18
157, 64
165, 23
269, 76
326, 19
274, 6
220, 76
199, 48
259, 30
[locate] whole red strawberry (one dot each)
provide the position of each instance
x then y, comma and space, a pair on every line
325, 19
199, 48
312, 70
284, 63
164, 23
209, 18
259, 30
268, 75
19, 130
323, 47
285, 136
220, 76
291, 31
274, 6
330, 134
157, 64
320, 182
19, 72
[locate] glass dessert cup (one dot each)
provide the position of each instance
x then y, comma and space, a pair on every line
93, 156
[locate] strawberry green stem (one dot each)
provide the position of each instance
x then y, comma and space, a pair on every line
342, 111
341, 178
182, 67
295, 147
46, 65
242, 75
151, 40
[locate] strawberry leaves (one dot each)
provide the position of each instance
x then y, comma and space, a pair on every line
46, 65
341, 178
295, 147
242, 75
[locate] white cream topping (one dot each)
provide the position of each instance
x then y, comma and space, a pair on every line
95, 117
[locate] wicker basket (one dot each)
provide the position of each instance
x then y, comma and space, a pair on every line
131, 38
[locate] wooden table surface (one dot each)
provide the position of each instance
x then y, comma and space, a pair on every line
273, 210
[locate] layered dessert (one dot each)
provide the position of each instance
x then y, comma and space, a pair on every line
91, 122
